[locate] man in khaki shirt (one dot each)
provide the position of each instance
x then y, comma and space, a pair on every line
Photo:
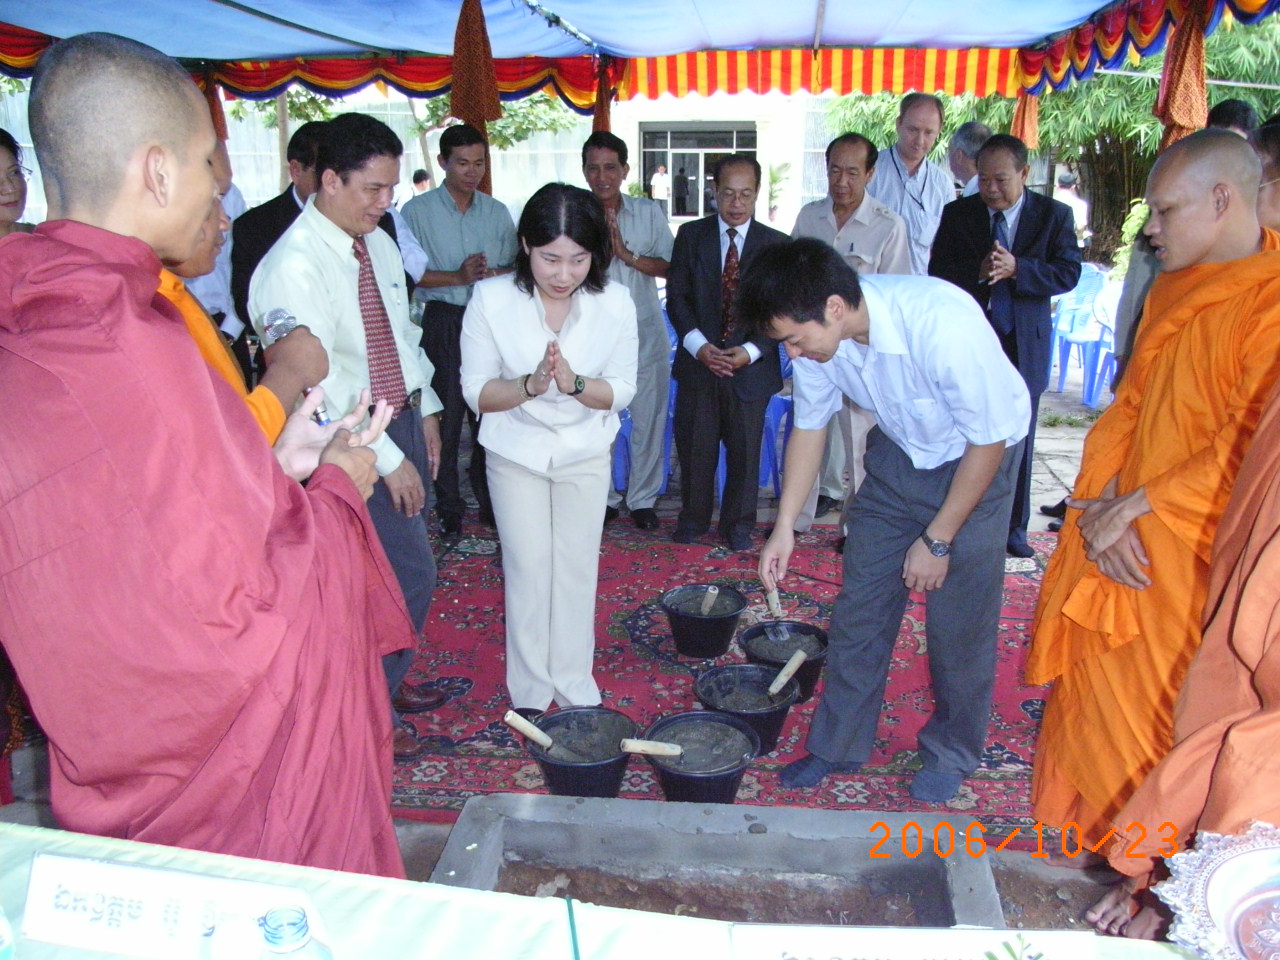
872, 239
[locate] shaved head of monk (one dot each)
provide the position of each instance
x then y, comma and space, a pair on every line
125, 141
1203, 195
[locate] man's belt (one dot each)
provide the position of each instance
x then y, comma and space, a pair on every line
412, 402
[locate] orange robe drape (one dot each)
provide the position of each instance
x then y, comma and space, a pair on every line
1225, 768
263, 404
1206, 358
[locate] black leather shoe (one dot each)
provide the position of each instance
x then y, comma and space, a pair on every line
451, 526
1018, 546
738, 540
646, 518
417, 698
610, 514
487, 519
1057, 511
405, 745
1055, 526
825, 505
686, 534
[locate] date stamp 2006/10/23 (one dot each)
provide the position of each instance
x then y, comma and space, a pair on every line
945, 840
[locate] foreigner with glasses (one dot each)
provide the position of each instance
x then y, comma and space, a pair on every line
548, 360
13, 187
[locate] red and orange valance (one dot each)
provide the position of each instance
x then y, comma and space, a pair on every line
873, 70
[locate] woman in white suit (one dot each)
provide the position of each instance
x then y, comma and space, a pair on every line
548, 360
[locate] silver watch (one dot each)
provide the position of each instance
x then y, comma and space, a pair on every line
939, 548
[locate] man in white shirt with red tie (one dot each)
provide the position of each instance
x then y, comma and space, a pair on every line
344, 279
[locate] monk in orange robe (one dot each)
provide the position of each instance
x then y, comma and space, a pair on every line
1120, 611
199, 635
298, 360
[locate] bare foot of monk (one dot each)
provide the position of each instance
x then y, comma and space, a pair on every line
1111, 914
1152, 920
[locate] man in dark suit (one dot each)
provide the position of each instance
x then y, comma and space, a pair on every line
725, 381
1011, 249
255, 231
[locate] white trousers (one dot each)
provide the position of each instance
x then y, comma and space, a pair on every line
549, 525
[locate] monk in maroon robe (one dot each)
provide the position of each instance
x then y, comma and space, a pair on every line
199, 635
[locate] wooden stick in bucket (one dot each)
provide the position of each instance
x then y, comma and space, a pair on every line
709, 600
787, 672
775, 605
521, 725
652, 748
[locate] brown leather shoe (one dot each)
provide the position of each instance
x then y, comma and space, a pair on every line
417, 698
405, 746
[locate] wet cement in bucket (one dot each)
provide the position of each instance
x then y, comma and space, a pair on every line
779, 641
708, 747
733, 692
688, 601
585, 736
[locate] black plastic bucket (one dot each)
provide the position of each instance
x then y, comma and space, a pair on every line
700, 636
718, 750
760, 647
742, 690
593, 732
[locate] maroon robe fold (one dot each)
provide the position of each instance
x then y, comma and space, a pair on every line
199, 636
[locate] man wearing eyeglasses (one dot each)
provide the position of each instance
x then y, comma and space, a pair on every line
725, 381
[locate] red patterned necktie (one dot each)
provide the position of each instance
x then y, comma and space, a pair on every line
386, 381
729, 285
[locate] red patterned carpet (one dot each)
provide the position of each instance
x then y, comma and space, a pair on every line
639, 673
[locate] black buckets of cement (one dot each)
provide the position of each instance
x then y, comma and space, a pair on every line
741, 690
584, 759
718, 748
772, 643
703, 636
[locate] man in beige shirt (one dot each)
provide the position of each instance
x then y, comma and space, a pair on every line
872, 239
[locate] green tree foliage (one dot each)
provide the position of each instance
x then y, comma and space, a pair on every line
520, 119
1103, 127
302, 106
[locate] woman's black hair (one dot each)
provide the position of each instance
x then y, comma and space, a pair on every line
10, 144
558, 210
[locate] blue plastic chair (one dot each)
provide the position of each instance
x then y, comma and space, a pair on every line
1073, 319
1099, 354
622, 452
778, 420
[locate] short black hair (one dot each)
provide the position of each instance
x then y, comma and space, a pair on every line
735, 160
1010, 144
604, 140
421, 176
853, 139
1265, 141
559, 210
1233, 113
9, 143
793, 281
304, 145
459, 135
351, 140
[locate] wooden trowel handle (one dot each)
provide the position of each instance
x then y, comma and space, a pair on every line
787, 672
521, 725
652, 748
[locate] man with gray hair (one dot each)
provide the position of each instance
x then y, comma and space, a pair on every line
962, 154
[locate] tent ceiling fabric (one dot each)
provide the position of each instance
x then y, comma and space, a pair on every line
259, 30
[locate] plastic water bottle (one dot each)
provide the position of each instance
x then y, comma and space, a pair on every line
7, 946
286, 933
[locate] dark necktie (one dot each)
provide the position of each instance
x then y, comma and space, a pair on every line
386, 381
1000, 301
728, 286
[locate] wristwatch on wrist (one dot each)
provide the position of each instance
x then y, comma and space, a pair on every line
578, 386
939, 548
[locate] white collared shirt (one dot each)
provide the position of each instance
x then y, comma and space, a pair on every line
917, 198
645, 233
1011, 217
312, 272
933, 373
872, 240
505, 335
